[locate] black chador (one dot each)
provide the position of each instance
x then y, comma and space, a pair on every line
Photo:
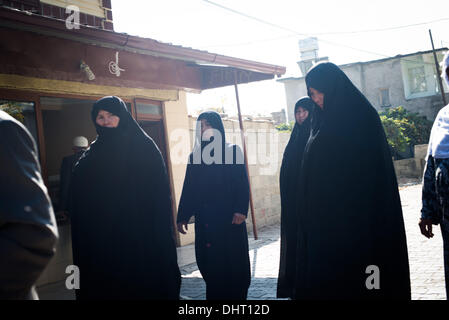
352, 242
288, 182
215, 188
122, 215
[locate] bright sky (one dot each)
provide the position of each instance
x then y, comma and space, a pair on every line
201, 25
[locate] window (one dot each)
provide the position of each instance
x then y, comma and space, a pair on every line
384, 96
417, 79
419, 75
148, 108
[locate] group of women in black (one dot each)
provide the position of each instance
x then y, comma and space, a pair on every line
341, 211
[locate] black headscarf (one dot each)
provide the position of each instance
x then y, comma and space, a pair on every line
116, 106
288, 182
351, 215
217, 142
122, 214
298, 139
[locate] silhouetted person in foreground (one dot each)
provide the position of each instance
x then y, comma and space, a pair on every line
28, 232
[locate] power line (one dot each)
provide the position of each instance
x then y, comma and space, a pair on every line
382, 29
296, 33
254, 18
324, 33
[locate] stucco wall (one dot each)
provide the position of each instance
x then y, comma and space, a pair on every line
176, 121
412, 168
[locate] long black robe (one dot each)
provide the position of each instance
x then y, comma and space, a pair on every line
121, 215
213, 193
351, 216
288, 182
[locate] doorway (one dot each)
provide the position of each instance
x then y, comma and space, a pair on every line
155, 129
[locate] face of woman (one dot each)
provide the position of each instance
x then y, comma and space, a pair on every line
301, 115
317, 97
206, 130
107, 119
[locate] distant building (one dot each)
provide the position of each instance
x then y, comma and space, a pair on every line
408, 80
279, 117
308, 49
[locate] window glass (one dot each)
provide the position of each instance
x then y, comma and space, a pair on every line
148, 108
417, 78
385, 97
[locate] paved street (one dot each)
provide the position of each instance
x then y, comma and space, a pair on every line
426, 261
425, 255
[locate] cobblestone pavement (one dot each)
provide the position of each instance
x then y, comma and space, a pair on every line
264, 258
425, 257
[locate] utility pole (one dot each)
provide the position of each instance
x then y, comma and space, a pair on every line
438, 69
242, 132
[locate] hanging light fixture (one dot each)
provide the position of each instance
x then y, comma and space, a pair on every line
85, 68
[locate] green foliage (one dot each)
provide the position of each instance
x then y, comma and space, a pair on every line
404, 128
13, 109
285, 127
395, 133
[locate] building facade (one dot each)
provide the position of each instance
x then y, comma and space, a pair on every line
53, 73
405, 80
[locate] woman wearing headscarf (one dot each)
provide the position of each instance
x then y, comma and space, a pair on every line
352, 238
288, 182
216, 192
122, 234
435, 193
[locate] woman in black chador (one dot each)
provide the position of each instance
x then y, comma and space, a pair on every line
288, 181
121, 213
216, 192
352, 240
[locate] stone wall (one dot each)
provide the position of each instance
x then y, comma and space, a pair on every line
412, 168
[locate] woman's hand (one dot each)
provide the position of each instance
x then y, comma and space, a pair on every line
180, 226
238, 218
426, 227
